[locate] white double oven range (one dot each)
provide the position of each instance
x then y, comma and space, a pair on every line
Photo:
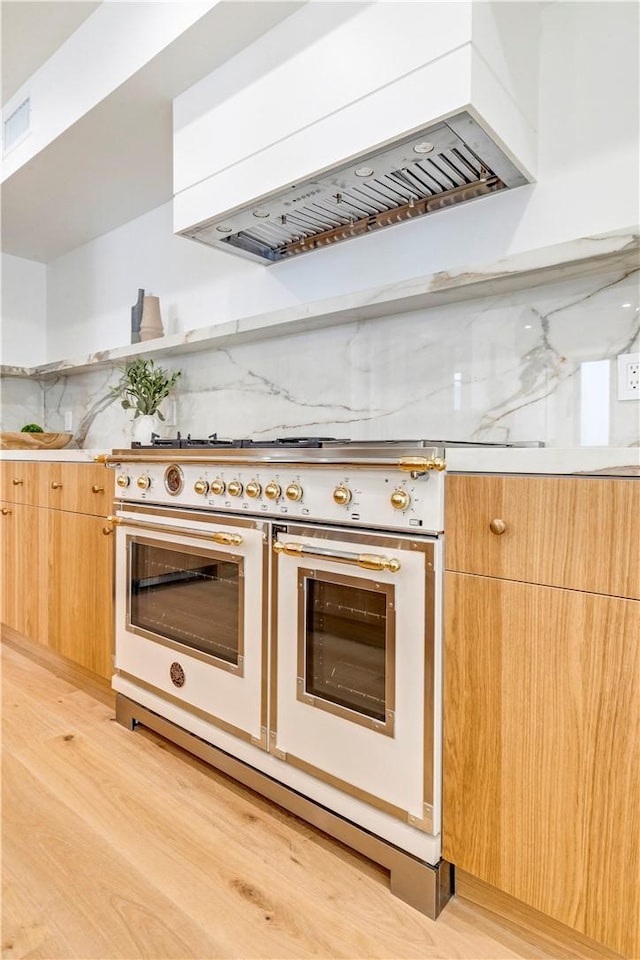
278, 613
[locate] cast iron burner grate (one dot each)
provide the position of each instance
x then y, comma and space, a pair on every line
213, 442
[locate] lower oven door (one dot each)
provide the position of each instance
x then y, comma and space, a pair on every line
190, 625
355, 694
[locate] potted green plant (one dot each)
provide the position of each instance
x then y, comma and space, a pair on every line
142, 388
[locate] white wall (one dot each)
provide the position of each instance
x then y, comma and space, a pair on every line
91, 290
116, 41
587, 177
24, 301
321, 60
290, 106
588, 185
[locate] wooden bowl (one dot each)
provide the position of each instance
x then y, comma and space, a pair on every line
34, 441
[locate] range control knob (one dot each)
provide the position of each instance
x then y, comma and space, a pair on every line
272, 491
201, 486
235, 488
122, 480
400, 499
294, 492
144, 482
342, 495
253, 489
217, 486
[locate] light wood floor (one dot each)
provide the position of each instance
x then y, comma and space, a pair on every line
118, 845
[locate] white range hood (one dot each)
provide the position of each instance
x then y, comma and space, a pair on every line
426, 120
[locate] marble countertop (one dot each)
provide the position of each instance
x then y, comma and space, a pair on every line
66, 455
587, 461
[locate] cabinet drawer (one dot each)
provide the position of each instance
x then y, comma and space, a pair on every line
19, 481
582, 534
78, 488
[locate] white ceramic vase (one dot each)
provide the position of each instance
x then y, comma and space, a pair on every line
142, 428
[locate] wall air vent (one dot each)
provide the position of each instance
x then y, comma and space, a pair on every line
16, 126
447, 163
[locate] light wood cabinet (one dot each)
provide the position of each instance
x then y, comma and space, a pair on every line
19, 481
542, 698
23, 536
578, 533
57, 561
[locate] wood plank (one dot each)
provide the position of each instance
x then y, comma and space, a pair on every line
558, 938
119, 844
112, 908
26, 655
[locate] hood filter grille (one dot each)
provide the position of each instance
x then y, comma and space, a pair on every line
428, 171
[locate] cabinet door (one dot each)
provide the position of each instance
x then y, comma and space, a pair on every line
542, 750
23, 593
81, 589
579, 533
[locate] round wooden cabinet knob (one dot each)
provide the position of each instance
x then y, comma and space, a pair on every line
497, 526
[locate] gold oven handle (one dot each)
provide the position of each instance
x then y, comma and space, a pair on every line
218, 536
418, 466
368, 561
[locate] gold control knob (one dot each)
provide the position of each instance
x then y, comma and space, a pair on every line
201, 486
253, 489
122, 480
400, 499
144, 483
342, 495
217, 486
497, 526
235, 488
272, 491
294, 492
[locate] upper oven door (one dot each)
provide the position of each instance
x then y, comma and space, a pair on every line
355, 695
190, 624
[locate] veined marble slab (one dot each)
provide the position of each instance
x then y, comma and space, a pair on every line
536, 364
619, 251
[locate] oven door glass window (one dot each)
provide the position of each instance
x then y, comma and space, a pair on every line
188, 596
346, 647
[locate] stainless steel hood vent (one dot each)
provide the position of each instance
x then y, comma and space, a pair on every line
450, 162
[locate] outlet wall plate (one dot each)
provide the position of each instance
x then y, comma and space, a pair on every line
629, 376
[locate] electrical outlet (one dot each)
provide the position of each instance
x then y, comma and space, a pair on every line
68, 421
629, 376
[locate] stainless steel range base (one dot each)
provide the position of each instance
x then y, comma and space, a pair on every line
424, 887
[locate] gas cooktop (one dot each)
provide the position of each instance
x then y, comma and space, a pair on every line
213, 442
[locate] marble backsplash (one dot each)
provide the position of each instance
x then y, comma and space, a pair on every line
537, 364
